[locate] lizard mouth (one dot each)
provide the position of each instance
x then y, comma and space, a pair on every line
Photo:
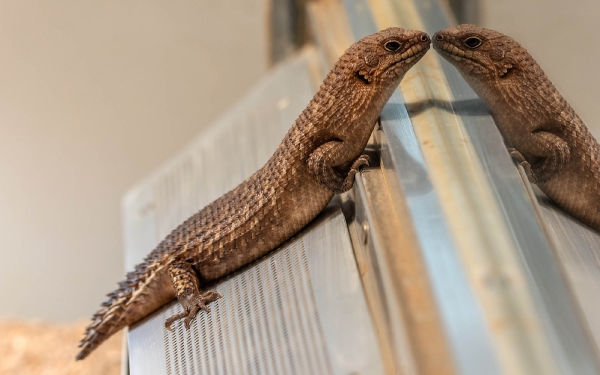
415, 51
455, 53
412, 55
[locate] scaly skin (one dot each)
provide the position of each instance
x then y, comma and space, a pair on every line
541, 129
318, 158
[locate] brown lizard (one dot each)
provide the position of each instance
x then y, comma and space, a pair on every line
318, 158
542, 131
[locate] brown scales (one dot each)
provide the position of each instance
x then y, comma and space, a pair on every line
318, 158
542, 131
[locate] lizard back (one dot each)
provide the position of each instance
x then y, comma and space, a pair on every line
317, 158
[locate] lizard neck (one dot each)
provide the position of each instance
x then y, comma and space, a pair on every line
343, 108
524, 100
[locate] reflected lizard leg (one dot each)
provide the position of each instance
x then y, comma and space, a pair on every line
519, 159
185, 283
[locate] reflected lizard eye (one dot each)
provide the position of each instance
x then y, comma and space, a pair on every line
392, 45
472, 42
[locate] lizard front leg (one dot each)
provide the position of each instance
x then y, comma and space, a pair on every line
548, 155
327, 160
185, 283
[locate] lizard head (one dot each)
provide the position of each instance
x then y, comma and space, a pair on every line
481, 55
384, 57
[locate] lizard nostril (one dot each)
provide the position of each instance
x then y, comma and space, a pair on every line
438, 37
424, 38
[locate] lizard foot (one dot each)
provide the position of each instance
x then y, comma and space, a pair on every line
360, 161
519, 159
191, 306
349, 180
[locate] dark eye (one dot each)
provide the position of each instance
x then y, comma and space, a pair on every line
472, 42
392, 45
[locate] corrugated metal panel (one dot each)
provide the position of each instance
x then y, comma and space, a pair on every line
300, 310
266, 323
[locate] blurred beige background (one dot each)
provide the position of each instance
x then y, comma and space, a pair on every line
93, 96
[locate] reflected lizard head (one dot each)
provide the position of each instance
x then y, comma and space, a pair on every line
481, 54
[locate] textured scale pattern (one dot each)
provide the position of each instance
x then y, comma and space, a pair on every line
542, 131
317, 158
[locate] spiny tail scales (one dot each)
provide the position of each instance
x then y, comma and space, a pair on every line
124, 306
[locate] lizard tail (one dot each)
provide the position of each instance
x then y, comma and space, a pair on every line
115, 313
141, 293
107, 321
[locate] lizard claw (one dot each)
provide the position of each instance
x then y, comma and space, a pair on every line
360, 161
349, 180
172, 319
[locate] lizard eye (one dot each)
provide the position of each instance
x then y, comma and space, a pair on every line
392, 45
472, 42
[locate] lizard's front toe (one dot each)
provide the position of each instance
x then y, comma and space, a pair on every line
191, 307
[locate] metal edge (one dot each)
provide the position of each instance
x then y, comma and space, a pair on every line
395, 273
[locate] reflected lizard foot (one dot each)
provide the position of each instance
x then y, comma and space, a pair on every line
519, 159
